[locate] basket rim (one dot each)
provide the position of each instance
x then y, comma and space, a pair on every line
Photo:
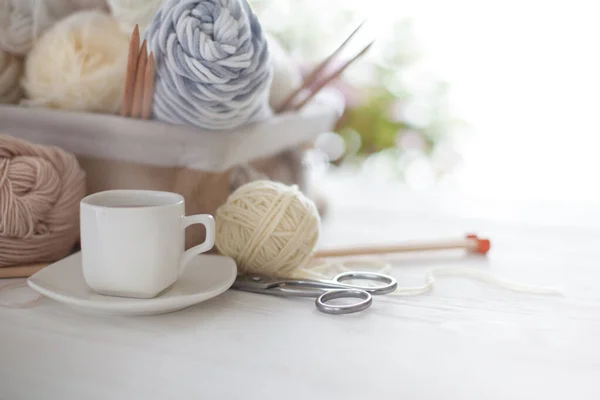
152, 142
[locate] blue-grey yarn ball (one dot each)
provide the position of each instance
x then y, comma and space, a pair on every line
213, 64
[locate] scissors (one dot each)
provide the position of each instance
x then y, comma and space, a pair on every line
323, 290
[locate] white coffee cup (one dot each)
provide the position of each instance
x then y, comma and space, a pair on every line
133, 241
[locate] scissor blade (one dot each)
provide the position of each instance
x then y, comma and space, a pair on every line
256, 282
277, 287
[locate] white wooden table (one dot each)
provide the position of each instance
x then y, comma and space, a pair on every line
463, 340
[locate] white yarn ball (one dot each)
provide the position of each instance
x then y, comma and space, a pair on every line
11, 70
286, 74
22, 22
268, 228
132, 12
79, 64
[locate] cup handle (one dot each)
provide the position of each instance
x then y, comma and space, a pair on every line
209, 223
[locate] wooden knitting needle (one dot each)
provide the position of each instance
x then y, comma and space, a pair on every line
138, 92
312, 77
471, 243
132, 60
333, 76
148, 87
140, 81
20, 271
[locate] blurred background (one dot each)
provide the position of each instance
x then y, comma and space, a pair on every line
494, 100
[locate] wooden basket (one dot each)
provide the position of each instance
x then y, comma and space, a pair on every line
203, 166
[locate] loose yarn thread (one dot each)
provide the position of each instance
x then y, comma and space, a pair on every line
11, 71
79, 64
325, 270
268, 228
17, 285
40, 190
474, 274
213, 64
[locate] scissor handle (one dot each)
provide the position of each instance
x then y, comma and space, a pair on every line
390, 282
322, 300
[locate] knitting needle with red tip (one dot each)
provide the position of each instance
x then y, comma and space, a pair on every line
471, 243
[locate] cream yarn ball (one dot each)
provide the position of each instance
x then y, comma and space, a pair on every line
268, 228
79, 64
286, 74
132, 12
11, 70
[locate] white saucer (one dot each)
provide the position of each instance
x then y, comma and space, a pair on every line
207, 276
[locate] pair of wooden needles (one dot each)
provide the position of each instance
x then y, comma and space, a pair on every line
471, 243
139, 81
314, 82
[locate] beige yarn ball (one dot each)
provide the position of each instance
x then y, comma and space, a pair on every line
268, 228
79, 64
40, 190
11, 70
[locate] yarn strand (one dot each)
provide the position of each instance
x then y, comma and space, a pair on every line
5, 289
323, 271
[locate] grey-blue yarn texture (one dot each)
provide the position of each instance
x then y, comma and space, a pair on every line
213, 64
